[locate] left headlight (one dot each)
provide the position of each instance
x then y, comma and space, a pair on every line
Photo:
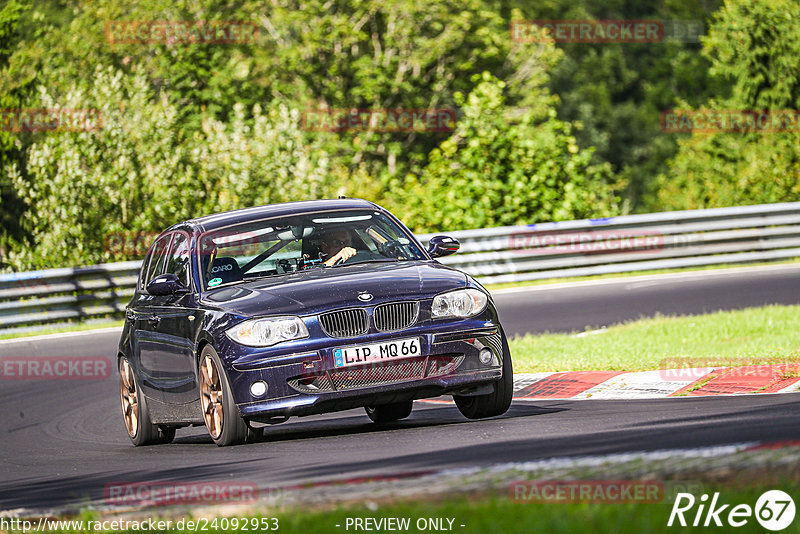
267, 332
462, 303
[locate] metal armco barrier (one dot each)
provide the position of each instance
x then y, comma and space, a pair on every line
30, 300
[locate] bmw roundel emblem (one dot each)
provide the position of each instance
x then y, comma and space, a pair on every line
365, 296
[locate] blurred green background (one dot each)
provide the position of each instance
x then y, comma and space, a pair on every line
545, 131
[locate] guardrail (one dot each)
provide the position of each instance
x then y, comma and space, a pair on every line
31, 300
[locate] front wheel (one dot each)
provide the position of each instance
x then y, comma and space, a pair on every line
221, 416
385, 413
495, 403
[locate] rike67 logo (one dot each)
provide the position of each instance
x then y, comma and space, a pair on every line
774, 510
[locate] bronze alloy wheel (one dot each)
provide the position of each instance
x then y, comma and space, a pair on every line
129, 397
135, 414
211, 396
220, 412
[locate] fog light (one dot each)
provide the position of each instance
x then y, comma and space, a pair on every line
258, 389
485, 356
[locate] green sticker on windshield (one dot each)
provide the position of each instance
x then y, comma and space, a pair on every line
214, 282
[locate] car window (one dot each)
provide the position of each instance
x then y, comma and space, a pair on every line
155, 260
178, 263
288, 245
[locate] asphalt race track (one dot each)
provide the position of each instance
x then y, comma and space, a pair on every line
63, 441
606, 302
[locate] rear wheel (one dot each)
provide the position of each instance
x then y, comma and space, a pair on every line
221, 416
135, 414
166, 434
495, 403
385, 413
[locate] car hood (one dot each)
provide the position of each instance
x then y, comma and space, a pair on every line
319, 290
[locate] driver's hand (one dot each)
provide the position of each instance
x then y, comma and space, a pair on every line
343, 255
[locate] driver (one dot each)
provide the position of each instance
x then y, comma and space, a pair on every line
337, 246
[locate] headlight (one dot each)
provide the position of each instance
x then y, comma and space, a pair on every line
461, 303
268, 332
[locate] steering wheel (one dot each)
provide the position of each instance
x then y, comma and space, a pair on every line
361, 255
391, 248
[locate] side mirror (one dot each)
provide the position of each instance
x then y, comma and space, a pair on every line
166, 284
442, 245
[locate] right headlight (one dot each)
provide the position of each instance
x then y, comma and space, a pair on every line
460, 304
268, 331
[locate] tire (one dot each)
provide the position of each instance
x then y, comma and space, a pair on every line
493, 404
220, 414
386, 413
167, 434
135, 414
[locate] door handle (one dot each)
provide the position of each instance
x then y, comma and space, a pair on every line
154, 320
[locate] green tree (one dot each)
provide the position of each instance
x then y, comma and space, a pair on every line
754, 46
499, 170
139, 173
191, 128
615, 91
131, 174
12, 92
260, 162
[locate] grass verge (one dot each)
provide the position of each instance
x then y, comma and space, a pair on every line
63, 329
481, 514
499, 514
751, 336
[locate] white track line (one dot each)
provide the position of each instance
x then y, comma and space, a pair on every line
605, 459
643, 278
45, 337
641, 385
794, 388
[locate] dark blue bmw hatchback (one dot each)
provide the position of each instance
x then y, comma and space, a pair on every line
245, 318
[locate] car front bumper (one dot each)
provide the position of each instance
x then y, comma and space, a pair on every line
307, 382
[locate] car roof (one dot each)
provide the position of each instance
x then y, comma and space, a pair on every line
227, 218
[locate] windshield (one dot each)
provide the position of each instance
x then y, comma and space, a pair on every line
288, 245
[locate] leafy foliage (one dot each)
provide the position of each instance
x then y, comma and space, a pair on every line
615, 91
754, 46
139, 173
496, 170
552, 132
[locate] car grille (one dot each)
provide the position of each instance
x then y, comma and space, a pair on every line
345, 323
395, 316
377, 374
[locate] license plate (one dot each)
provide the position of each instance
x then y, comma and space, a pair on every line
377, 352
